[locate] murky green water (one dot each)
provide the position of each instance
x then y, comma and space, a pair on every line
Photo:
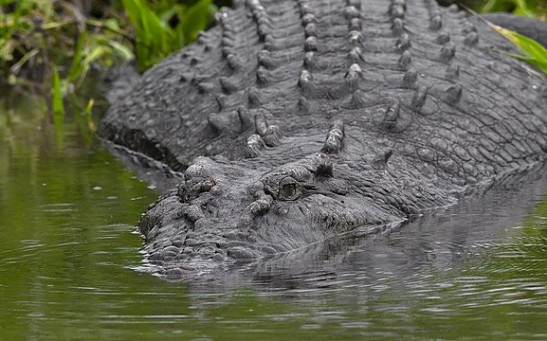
68, 250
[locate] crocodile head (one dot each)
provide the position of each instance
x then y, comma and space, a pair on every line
226, 212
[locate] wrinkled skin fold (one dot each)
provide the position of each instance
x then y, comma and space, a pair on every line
295, 122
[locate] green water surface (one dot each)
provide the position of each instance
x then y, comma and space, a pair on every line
69, 256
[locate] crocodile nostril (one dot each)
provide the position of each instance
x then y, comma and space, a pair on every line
182, 191
191, 189
207, 185
261, 206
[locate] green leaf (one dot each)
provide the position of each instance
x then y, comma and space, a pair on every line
15, 68
112, 24
57, 104
539, 64
122, 51
194, 20
76, 69
533, 9
523, 9
88, 114
95, 53
58, 108
6, 49
496, 6
155, 40
535, 53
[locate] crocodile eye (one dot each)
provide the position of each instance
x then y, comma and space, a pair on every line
288, 189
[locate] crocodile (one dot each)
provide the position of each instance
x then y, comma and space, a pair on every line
294, 122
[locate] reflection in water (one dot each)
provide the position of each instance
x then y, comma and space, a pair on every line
67, 248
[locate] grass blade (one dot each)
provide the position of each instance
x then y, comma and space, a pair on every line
88, 112
155, 40
77, 67
195, 19
58, 108
535, 53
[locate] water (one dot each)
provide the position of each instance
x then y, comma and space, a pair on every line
68, 254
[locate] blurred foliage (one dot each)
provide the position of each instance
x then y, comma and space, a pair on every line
78, 36
534, 53
36, 34
54, 45
166, 29
529, 8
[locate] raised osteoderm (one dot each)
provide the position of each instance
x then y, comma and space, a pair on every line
296, 121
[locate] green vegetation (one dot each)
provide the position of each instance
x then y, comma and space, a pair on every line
534, 53
157, 38
58, 109
529, 8
35, 34
53, 46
